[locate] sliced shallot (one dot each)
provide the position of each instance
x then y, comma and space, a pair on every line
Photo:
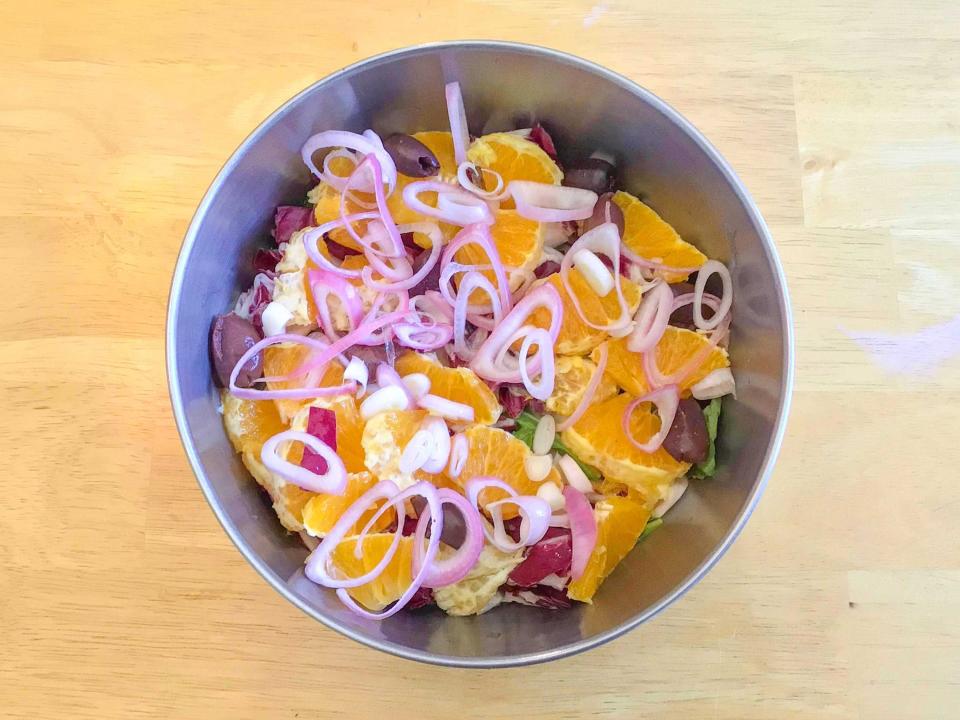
489, 361
353, 141
454, 205
459, 451
652, 318
709, 268
357, 371
665, 399
384, 400
583, 529
449, 409
606, 240
454, 568
332, 482
534, 512
551, 203
458, 121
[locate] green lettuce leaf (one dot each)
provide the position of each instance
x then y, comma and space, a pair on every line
650, 527
527, 426
711, 413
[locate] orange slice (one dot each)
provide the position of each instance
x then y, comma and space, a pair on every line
288, 499
519, 243
458, 384
576, 337
598, 439
328, 209
386, 587
441, 144
249, 423
515, 158
349, 430
496, 453
284, 358
651, 237
322, 511
675, 349
572, 377
620, 521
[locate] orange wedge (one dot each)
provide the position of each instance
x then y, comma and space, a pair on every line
249, 423
572, 377
441, 144
322, 511
386, 587
458, 384
598, 439
675, 349
284, 358
620, 521
496, 453
651, 237
349, 430
576, 337
515, 158
519, 243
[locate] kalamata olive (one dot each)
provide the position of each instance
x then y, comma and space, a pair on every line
606, 210
682, 317
454, 531
412, 157
687, 440
230, 337
593, 174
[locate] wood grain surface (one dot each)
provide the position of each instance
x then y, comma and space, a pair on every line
121, 597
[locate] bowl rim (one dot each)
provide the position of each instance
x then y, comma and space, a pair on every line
773, 447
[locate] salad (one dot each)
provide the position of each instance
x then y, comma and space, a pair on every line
466, 374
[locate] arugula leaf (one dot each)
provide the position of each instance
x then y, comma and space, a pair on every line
527, 427
650, 527
711, 413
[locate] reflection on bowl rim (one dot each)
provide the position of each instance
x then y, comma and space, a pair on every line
770, 456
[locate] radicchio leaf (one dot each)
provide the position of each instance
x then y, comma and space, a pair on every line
288, 219
322, 424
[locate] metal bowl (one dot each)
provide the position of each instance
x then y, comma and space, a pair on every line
662, 158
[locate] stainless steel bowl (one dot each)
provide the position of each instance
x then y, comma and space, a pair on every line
663, 158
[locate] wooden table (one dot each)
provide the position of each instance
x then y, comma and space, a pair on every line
123, 598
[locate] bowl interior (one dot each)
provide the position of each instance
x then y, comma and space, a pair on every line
661, 158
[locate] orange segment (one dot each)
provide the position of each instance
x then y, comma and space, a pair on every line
385, 437
386, 587
576, 337
675, 349
496, 453
651, 237
598, 439
288, 499
349, 429
458, 384
441, 144
572, 377
519, 243
249, 423
620, 521
515, 158
321, 512
286, 357
328, 209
